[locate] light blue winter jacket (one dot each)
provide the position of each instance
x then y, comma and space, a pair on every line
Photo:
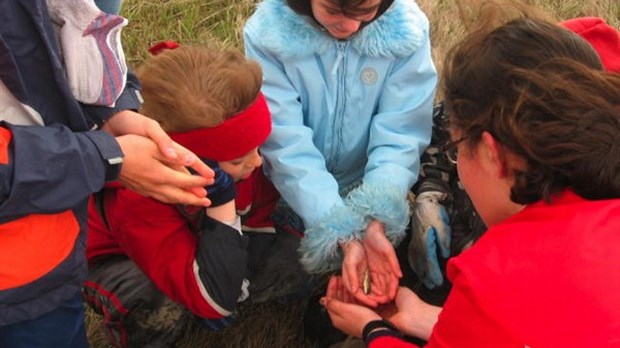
351, 117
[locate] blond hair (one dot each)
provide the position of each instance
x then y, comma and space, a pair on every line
197, 86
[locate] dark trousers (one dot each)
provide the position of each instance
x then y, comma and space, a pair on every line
135, 313
62, 327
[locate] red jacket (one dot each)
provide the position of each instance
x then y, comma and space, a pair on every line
157, 237
548, 276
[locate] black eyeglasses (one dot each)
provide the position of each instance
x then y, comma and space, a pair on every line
451, 149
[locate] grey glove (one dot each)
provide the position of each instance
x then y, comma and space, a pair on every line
430, 230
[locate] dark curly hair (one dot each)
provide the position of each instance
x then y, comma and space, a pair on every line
541, 91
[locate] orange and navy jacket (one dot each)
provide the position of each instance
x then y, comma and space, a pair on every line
48, 168
201, 267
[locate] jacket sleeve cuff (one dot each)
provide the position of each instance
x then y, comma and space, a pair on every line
110, 151
319, 247
379, 328
384, 202
386, 338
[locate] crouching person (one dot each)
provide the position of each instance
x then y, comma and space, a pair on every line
154, 266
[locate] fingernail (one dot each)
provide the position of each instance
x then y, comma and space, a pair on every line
188, 160
171, 153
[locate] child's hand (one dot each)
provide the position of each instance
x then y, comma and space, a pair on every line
382, 262
354, 270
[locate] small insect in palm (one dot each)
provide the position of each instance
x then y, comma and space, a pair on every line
366, 282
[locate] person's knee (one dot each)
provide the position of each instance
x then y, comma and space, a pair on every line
135, 312
62, 327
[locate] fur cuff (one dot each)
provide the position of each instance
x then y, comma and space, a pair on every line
319, 247
383, 202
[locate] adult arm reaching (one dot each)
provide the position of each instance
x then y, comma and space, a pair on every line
154, 165
408, 315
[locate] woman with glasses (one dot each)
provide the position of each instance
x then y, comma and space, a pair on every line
535, 119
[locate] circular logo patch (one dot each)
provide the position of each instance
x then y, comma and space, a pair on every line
369, 76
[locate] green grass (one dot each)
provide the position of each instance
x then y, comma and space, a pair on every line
198, 21
184, 21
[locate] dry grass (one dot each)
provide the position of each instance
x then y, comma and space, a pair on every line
447, 29
184, 21
196, 21
267, 325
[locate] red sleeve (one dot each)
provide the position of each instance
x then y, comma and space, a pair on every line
463, 321
100, 241
258, 193
389, 342
156, 237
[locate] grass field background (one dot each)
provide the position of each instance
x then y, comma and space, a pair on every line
194, 21
197, 21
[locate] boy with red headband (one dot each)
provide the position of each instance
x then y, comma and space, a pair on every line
154, 265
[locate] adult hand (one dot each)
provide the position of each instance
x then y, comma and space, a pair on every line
382, 262
345, 312
430, 230
146, 171
129, 122
413, 316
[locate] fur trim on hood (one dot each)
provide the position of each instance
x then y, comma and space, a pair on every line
399, 32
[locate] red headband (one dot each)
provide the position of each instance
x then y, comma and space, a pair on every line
233, 138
